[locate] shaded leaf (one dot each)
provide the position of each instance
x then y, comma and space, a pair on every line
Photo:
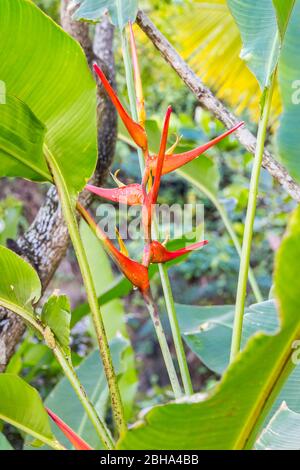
20, 285
120, 11
282, 432
4, 444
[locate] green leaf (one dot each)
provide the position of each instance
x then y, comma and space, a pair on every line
64, 402
21, 141
120, 287
21, 406
4, 444
53, 91
282, 433
120, 11
289, 82
283, 11
257, 23
247, 389
203, 173
56, 314
20, 286
208, 330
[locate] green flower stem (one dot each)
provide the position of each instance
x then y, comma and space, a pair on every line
68, 208
163, 345
42, 330
167, 290
252, 280
224, 216
249, 222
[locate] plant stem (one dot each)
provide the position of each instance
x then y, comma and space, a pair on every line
167, 290
69, 372
163, 345
67, 368
68, 208
249, 222
252, 280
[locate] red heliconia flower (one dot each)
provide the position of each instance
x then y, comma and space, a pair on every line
150, 198
71, 435
135, 272
131, 194
136, 131
159, 254
174, 161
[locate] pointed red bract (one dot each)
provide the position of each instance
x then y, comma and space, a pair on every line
136, 131
71, 435
159, 254
175, 161
151, 198
135, 272
131, 194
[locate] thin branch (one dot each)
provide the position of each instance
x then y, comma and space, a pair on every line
207, 99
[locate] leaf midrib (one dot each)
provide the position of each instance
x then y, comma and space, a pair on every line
262, 403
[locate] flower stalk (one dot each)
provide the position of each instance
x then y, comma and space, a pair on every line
71, 221
249, 222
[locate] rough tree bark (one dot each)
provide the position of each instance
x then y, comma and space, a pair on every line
207, 99
45, 242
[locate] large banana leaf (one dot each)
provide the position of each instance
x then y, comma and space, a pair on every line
208, 330
120, 11
289, 75
208, 38
21, 406
232, 414
257, 23
49, 91
282, 433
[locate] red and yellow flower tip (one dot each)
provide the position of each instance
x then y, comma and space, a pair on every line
135, 272
136, 131
174, 161
131, 194
159, 254
71, 435
140, 102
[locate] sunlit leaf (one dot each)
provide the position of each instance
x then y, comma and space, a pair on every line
20, 285
53, 93
120, 11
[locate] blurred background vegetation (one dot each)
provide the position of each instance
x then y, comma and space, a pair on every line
206, 36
